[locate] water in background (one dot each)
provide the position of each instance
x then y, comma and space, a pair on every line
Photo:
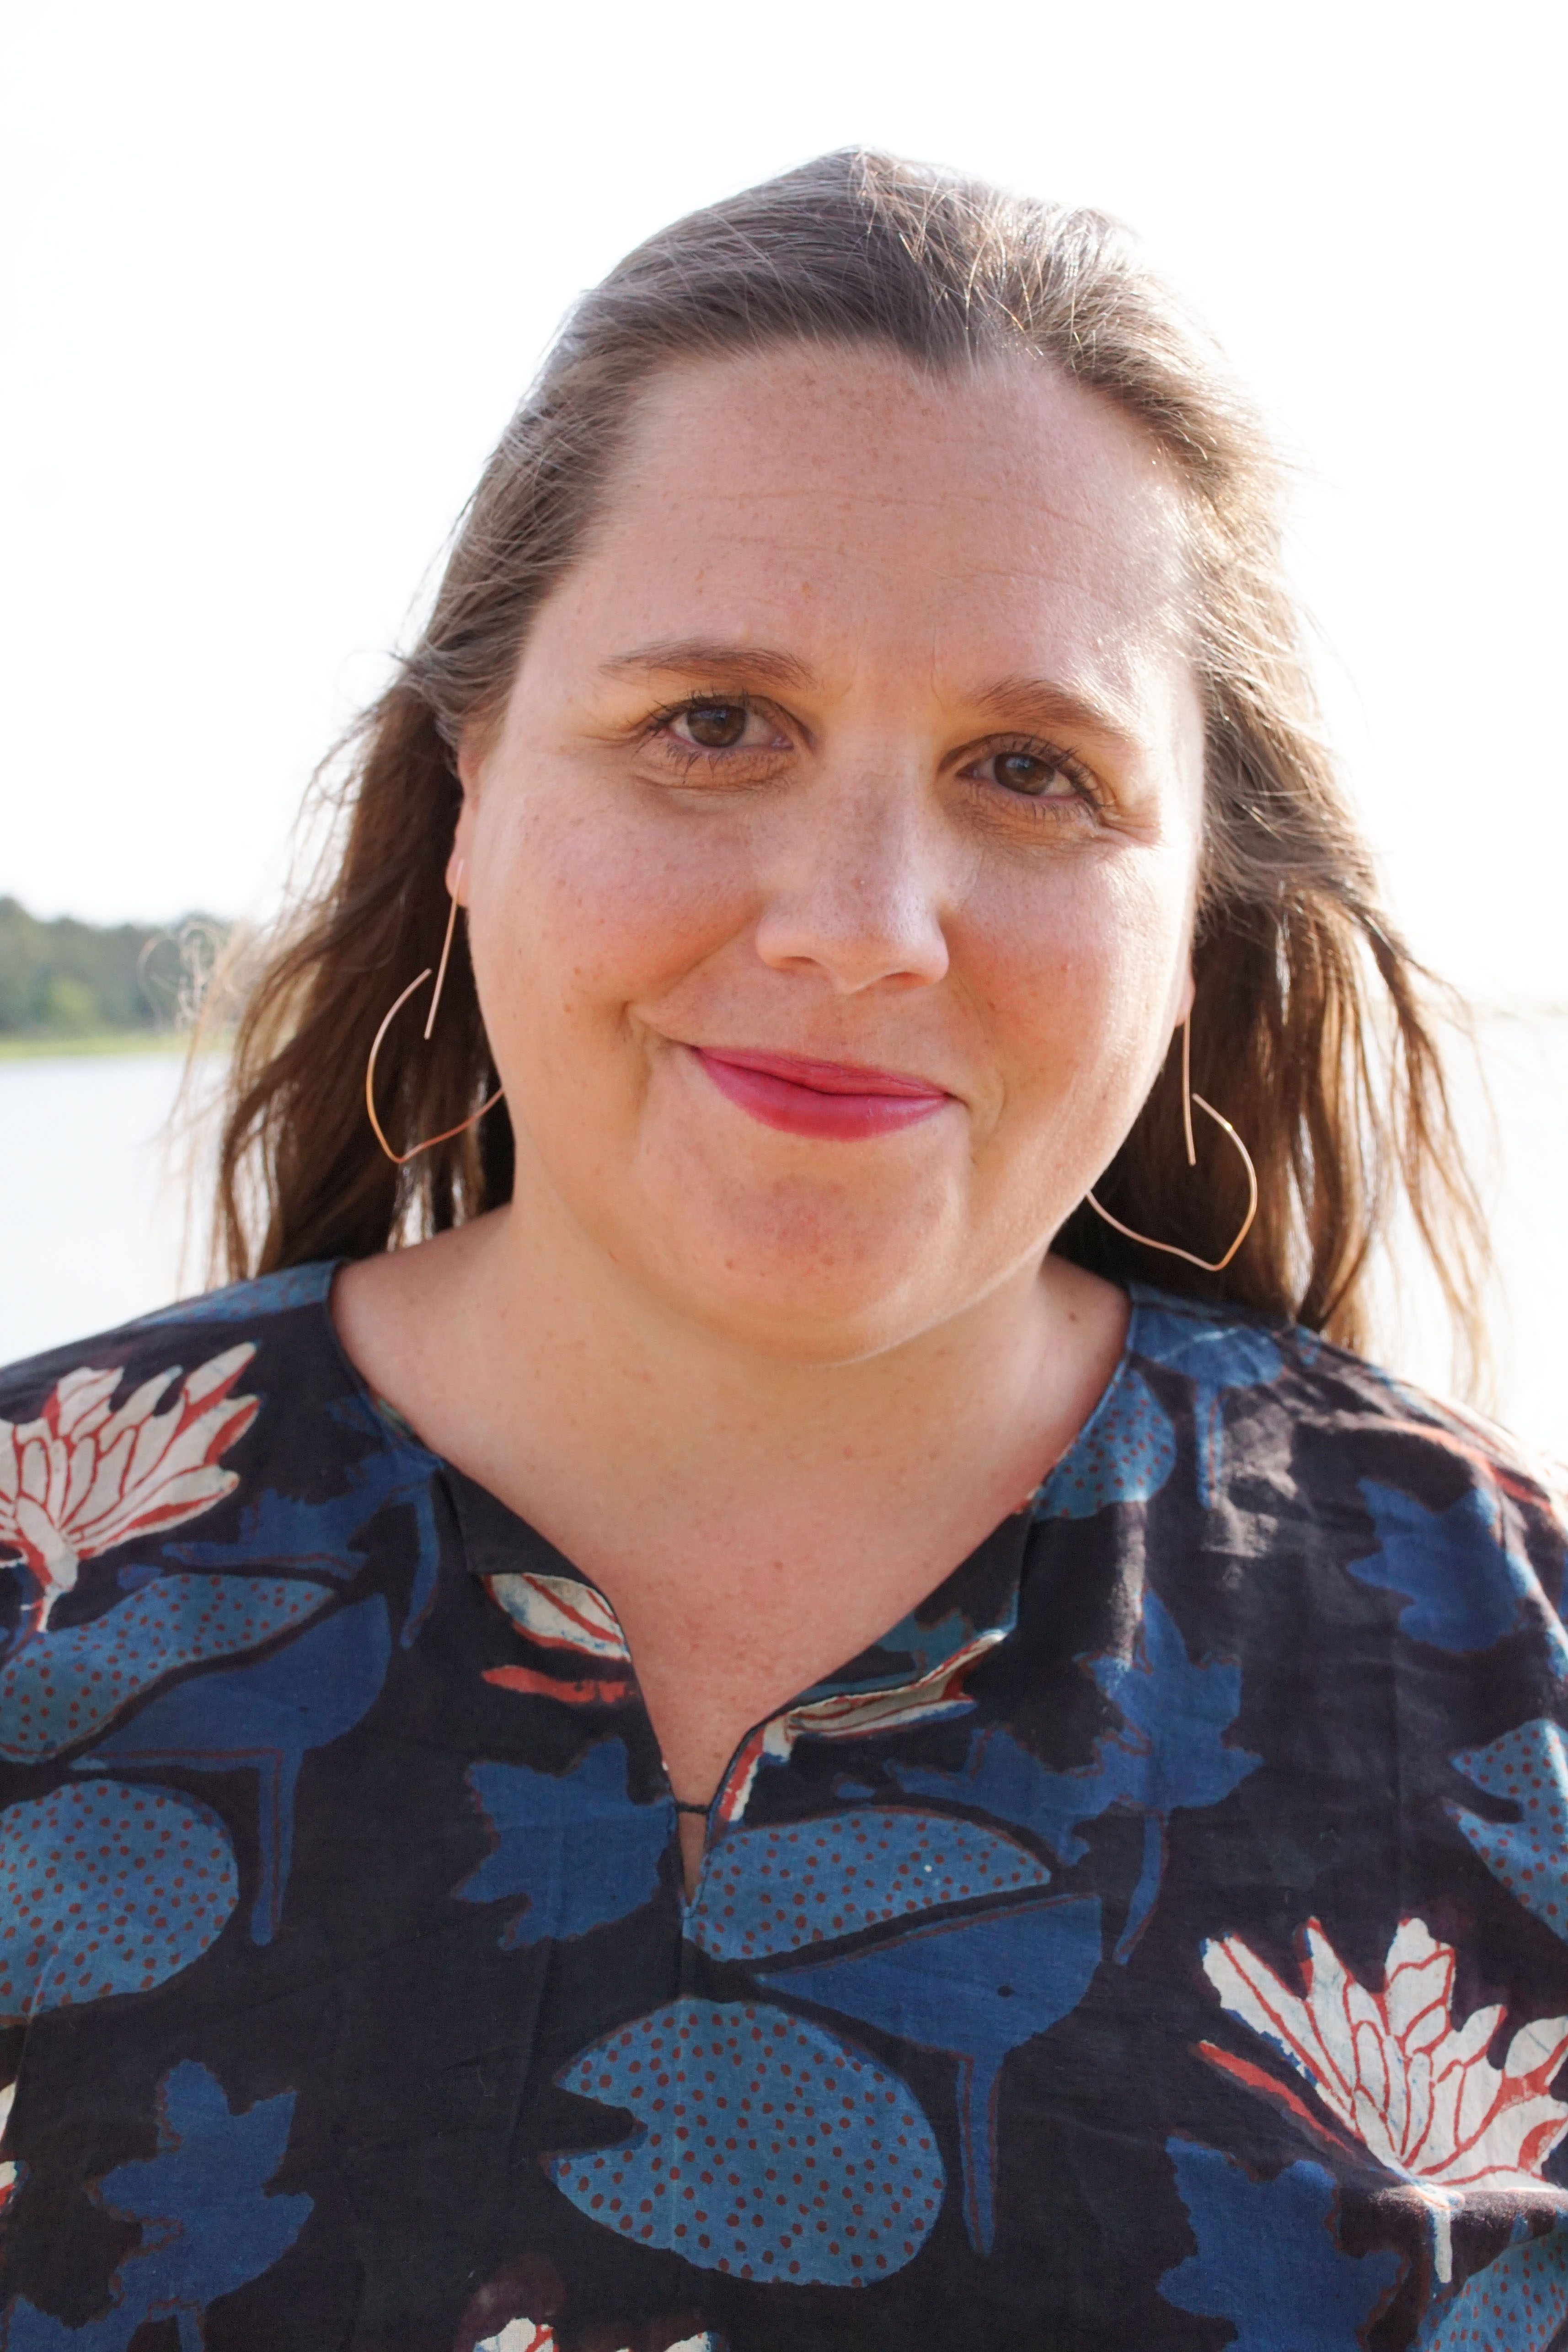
90, 1227
91, 1220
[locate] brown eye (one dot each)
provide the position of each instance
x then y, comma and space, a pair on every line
717, 726
1025, 772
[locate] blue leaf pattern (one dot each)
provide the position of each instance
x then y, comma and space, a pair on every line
208, 2224
62, 1686
769, 1891
1215, 1355
1268, 2260
1170, 1755
1517, 2303
288, 1530
976, 1989
540, 1820
1124, 1455
106, 1890
1000, 1776
265, 1719
1176, 1714
1530, 1768
764, 2147
1466, 1589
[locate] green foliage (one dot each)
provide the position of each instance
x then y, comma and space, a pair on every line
66, 978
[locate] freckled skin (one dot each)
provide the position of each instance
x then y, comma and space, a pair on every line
857, 904
863, 730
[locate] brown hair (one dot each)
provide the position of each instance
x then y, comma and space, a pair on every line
1310, 1029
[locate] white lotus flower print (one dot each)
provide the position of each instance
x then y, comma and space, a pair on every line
83, 1477
534, 2336
1395, 2072
558, 1613
856, 1714
8, 2170
563, 1615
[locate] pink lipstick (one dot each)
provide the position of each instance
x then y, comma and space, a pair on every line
834, 1101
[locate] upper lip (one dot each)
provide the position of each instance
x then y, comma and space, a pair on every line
826, 1077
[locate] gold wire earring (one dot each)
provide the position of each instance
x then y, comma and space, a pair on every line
1208, 1265
401, 1159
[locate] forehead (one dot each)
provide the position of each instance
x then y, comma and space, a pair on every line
986, 523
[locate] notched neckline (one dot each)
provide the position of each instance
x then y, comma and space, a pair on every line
982, 1592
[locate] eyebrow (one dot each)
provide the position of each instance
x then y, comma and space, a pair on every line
699, 656
1044, 702
1031, 701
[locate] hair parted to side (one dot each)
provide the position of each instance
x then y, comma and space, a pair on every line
1310, 1029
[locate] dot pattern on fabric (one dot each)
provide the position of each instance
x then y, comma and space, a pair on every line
107, 1889
1528, 1766
1125, 1454
767, 1891
1516, 2304
61, 1687
767, 2147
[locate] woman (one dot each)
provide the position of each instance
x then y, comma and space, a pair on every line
698, 1719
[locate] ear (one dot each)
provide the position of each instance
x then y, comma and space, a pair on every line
1186, 1000
457, 862
469, 765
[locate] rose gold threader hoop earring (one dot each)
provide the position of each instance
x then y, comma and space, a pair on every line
1209, 1266
401, 1159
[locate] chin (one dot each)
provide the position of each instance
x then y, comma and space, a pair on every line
812, 1288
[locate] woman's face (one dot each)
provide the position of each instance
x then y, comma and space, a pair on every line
832, 869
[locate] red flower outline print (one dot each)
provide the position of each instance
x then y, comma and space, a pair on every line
930, 1697
1395, 2072
560, 1612
82, 1477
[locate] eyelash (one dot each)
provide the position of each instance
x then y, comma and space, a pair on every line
1072, 771
695, 755
1041, 809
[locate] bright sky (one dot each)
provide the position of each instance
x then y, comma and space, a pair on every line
276, 276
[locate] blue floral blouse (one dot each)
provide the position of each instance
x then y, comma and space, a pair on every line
1159, 1942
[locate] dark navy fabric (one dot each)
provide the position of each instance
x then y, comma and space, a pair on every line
1159, 1942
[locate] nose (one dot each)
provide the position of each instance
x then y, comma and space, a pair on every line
858, 890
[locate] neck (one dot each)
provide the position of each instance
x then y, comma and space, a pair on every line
527, 1357
754, 1520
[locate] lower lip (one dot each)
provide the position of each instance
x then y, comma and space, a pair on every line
800, 1109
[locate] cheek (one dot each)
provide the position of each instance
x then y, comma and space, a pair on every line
575, 915
1080, 986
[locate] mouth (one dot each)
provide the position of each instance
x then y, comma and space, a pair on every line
833, 1101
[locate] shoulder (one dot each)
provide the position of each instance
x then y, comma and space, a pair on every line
133, 1431
228, 1325
181, 1489
1298, 1447
1312, 1384
1279, 1437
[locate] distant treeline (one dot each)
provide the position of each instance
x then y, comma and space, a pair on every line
66, 978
